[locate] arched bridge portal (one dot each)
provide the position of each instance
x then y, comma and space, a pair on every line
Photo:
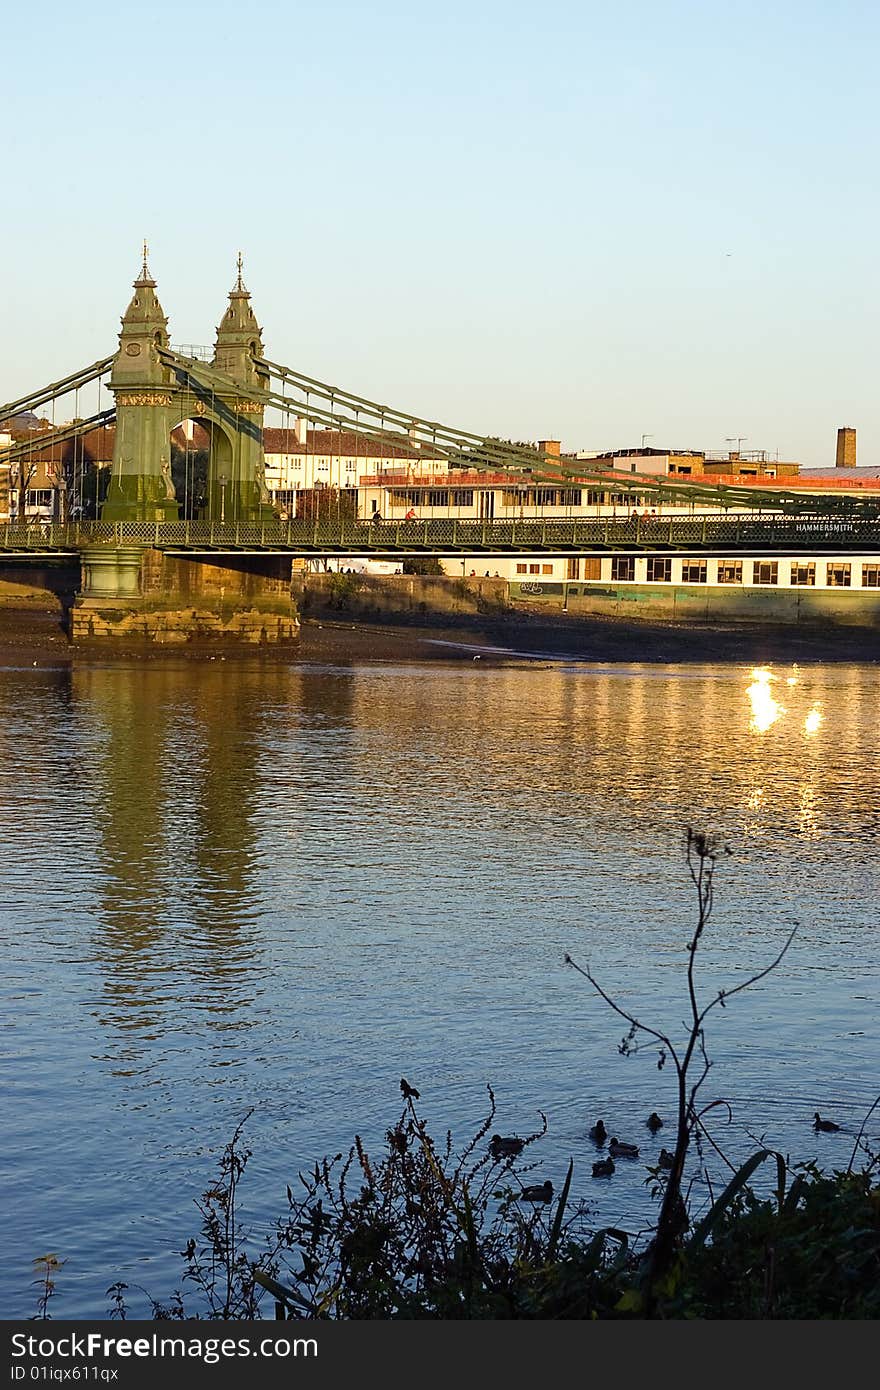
154, 391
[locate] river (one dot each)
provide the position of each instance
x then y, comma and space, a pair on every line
232, 887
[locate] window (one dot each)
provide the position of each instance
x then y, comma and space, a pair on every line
521, 569
693, 572
730, 571
659, 569
546, 569
534, 569
437, 499
463, 497
623, 567
803, 574
839, 575
766, 572
871, 576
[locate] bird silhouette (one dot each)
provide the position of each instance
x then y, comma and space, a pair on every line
409, 1092
666, 1159
620, 1150
826, 1126
603, 1168
599, 1133
501, 1147
654, 1122
540, 1192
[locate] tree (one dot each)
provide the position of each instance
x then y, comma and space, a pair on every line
21, 474
326, 504
422, 564
690, 1060
189, 474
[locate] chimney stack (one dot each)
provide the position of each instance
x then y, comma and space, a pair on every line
550, 446
846, 447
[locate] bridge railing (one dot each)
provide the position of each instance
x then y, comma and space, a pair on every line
345, 536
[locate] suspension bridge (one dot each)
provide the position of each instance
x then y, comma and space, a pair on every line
155, 386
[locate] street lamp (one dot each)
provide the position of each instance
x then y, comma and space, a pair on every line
222, 481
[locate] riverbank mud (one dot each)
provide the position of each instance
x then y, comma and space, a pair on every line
37, 636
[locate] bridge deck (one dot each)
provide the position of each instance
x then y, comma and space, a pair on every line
389, 539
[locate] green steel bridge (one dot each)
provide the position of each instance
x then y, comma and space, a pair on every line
807, 533
155, 387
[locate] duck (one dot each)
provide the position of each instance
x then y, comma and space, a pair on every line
603, 1168
617, 1149
654, 1122
540, 1192
826, 1126
666, 1159
599, 1133
509, 1147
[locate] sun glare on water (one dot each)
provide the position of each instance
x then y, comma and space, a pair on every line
765, 709
813, 720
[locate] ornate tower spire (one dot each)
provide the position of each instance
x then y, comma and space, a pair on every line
144, 328
141, 488
239, 336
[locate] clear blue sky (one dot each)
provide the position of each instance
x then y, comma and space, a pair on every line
580, 220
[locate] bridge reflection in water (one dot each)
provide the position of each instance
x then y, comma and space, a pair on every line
282, 886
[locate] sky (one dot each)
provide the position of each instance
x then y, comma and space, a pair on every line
592, 222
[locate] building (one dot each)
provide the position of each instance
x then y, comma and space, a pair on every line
692, 463
56, 475
300, 458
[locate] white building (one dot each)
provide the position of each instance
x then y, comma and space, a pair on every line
302, 458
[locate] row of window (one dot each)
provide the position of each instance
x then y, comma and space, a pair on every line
541, 497
534, 569
510, 497
297, 466
838, 573
436, 497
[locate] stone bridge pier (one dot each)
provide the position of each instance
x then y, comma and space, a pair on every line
134, 594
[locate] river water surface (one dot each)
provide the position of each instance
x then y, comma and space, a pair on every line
230, 887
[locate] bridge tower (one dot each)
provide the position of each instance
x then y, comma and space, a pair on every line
154, 393
140, 486
237, 480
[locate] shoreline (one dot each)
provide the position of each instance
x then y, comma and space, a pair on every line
31, 636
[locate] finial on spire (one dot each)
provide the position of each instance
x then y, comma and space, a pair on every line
145, 278
240, 287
